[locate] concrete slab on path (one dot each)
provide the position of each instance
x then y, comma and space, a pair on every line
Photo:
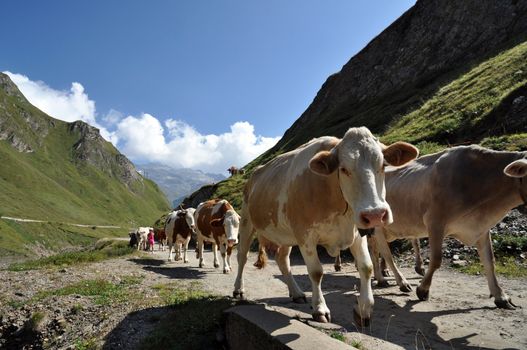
254, 327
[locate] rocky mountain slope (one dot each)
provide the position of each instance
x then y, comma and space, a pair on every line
432, 44
63, 173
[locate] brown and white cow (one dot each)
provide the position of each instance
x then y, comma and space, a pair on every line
217, 222
319, 194
461, 192
179, 226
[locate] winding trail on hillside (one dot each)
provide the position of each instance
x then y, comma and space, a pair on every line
10, 218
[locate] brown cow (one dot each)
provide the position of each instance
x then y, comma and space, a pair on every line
160, 237
217, 222
179, 227
320, 194
461, 192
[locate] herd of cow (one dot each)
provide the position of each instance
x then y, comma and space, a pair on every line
338, 192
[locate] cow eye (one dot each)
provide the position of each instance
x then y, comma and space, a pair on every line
345, 171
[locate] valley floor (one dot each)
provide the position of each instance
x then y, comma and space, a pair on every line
459, 314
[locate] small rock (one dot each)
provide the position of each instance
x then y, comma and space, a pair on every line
459, 263
455, 257
63, 270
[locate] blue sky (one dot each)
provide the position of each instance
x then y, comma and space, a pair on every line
217, 79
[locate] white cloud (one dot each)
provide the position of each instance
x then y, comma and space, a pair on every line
142, 139
69, 105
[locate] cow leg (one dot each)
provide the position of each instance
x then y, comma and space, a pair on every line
246, 237
284, 264
384, 270
169, 250
435, 240
215, 253
229, 253
362, 311
338, 263
374, 254
386, 253
314, 268
200, 252
419, 267
223, 251
185, 248
486, 255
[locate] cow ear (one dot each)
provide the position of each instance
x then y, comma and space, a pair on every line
216, 223
518, 168
400, 153
324, 163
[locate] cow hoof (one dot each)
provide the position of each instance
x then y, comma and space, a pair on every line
422, 294
322, 318
383, 284
505, 304
201, 265
385, 273
359, 321
186, 261
405, 288
226, 271
238, 295
216, 265
300, 300
338, 268
420, 270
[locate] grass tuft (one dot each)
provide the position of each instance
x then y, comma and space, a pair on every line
505, 266
338, 335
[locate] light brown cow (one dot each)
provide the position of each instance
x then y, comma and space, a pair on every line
217, 222
461, 192
319, 194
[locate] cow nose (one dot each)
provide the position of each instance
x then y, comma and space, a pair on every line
374, 218
231, 242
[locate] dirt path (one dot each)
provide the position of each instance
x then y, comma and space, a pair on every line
458, 315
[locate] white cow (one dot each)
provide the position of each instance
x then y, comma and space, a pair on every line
319, 194
142, 237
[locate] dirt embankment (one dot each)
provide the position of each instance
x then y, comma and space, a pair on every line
459, 314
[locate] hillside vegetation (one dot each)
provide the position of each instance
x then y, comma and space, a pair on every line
483, 105
62, 172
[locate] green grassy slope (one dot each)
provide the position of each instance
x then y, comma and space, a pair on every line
472, 108
54, 185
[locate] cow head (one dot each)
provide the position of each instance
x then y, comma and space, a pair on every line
188, 214
231, 224
518, 169
358, 161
